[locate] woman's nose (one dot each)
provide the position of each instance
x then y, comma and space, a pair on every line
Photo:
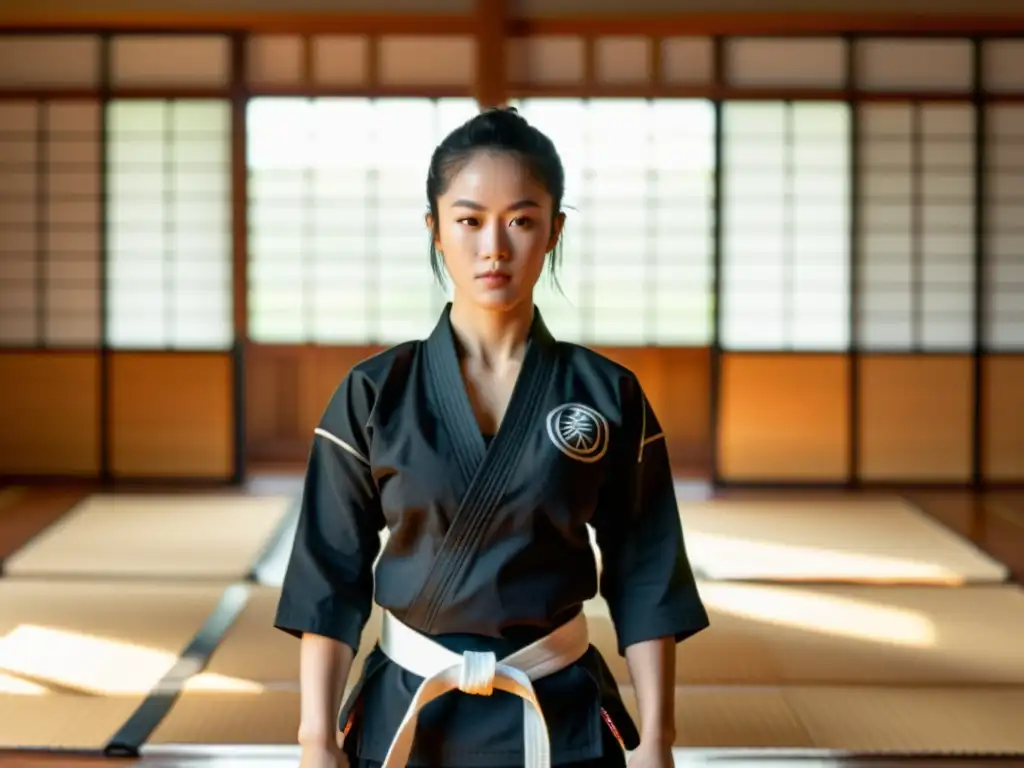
495, 244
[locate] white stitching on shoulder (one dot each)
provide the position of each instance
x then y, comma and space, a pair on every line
338, 441
644, 439
643, 427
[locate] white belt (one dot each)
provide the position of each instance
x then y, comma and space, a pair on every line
480, 673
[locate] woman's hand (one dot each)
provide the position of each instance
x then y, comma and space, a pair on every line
323, 756
652, 754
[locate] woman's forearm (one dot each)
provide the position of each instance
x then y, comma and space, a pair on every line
652, 666
324, 665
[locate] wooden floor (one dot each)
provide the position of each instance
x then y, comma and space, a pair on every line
691, 762
994, 521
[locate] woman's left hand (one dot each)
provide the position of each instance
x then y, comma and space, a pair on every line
652, 754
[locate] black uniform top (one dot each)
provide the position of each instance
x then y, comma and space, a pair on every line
488, 545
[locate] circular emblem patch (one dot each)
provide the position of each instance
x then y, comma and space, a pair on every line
579, 432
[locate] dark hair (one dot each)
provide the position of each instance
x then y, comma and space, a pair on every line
504, 130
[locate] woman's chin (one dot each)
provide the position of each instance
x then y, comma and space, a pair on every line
499, 298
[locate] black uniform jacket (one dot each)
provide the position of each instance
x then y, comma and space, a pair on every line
488, 545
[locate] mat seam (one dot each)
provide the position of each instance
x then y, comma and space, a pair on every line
193, 659
966, 540
276, 537
54, 524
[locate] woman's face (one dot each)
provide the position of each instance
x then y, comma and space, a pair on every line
494, 230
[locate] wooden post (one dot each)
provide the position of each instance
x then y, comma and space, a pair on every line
491, 80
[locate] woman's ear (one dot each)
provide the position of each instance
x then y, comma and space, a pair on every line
434, 234
556, 231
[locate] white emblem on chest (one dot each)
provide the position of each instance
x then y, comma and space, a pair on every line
578, 431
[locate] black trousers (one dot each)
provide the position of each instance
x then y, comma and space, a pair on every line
613, 757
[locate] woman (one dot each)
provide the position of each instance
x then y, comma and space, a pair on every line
486, 449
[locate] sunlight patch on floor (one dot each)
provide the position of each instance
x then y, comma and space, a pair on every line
776, 559
33, 657
822, 614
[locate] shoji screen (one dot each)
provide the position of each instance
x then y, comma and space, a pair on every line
338, 243
169, 224
1003, 455
639, 203
50, 285
169, 258
915, 317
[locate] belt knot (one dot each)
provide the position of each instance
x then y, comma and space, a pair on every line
476, 676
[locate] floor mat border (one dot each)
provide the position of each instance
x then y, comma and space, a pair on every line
682, 755
82, 752
276, 540
128, 740
949, 530
82, 497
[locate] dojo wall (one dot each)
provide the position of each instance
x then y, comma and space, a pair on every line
76, 405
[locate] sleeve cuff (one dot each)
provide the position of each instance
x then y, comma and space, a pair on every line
340, 622
638, 622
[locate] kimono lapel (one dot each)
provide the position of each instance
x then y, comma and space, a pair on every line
485, 471
448, 392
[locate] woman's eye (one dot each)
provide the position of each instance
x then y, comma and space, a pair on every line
521, 221
468, 221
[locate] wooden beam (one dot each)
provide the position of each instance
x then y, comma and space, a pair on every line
665, 25
490, 17
239, 250
775, 24
279, 22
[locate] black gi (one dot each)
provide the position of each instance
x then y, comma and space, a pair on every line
488, 547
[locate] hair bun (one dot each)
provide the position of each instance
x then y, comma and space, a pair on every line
500, 125
503, 116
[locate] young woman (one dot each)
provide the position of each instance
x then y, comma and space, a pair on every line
486, 449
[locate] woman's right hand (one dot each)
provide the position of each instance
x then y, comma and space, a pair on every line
323, 756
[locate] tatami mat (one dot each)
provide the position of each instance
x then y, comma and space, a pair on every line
893, 720
865, 720
839, 634
253, 650
731, 717
760, 635
837, 540
58, 722
722, 718
248, 692
174, 537
773, 643
211, 717
77, 658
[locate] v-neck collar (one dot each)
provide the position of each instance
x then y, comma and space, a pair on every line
452, 395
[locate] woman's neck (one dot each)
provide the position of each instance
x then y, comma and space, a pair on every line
490, 337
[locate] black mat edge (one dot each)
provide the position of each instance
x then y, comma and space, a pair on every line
128, 741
